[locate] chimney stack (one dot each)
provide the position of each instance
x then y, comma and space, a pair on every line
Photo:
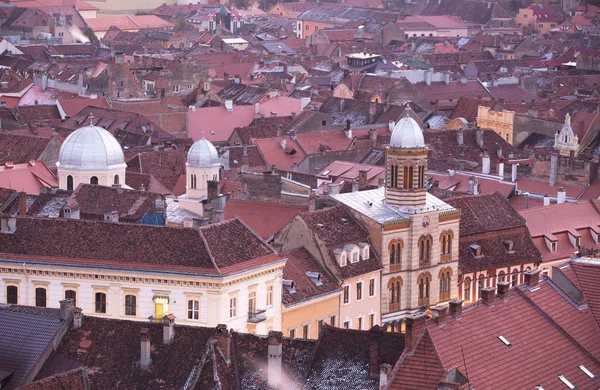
381, 182
283, 143
22, 203
384, 373
415, 325
561, 195
275, 353
488, 295
245, 160
455, 308
333, 189
532, 278
479, 137
362, 178
546, 200
376, 334
213, 188
66, 309
513, 176
168, 328
553, 169
77, 318
144, 349
440, 314
485, 163
355, 186
501, 168
223, 340
503, 288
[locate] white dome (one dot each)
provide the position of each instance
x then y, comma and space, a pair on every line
91, 148
407, 134
203, 154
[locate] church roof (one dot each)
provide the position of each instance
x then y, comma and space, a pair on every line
407, 134
91, 147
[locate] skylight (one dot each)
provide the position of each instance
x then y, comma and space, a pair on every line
505, 341
539, 387
566, 382
587, 372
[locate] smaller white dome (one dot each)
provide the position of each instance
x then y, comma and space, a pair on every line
203, 154
407, 134
92, 148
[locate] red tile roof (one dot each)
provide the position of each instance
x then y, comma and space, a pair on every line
274, 154
253, 214
299, 262
27, 178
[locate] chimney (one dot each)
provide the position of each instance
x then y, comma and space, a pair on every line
381, 182
485, 163
488, 295
245, 160
479, 137
333, 189
372, 111
229, 104
532, 278
283, 143
66, 309
213, 188
376, 334
546, 200
513, 175
348, 129
501, 168
372, 137
355, 186
503, 288
168, 328
112, 217
473, 186
553, 169
561, 195
312, 201
77, 318
440, 314
460, 137
144, 349
22, 203
223, 340
428, 76
455, 308
362, 178
275, 353
236, 79
415, 325
384, 373
447, 78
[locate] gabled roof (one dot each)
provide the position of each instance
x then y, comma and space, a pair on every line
30, 177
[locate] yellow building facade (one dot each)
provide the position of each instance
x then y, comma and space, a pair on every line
306, 318
501, 121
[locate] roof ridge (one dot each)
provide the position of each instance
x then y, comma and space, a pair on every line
212, 259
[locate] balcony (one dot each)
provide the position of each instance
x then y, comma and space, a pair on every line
256, 316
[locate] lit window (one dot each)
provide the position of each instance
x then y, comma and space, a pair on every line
193, 309
130, 305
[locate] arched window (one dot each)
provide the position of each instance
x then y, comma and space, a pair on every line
130, 305
446, 245
193, 309
394, 176
100, 303
501, 276
480, 285
410, 177
12, 295
405, 178
424, 282
40, 297
116, 179
70, 183
421, 177
396, 255
394, 293
514, 278
467, 289
71, 294
425, 243
94, 180
445, 283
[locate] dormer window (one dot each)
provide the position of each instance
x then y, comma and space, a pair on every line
553, 247
343, 261
364, 250
476, 249
509, 246
355, 257
340, 256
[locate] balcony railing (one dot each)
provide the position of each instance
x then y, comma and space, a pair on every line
257, 316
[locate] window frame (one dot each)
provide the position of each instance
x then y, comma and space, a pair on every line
346, 294
39, 298
233, 307
359, 291
15, 286
99, 302
193, 313
372, 287
129, 306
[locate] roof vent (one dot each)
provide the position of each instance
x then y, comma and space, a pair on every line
588, 372
315, 277
320, 226
509, 245
505, 341
290, 286
344, 221
476, 249
566, 382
